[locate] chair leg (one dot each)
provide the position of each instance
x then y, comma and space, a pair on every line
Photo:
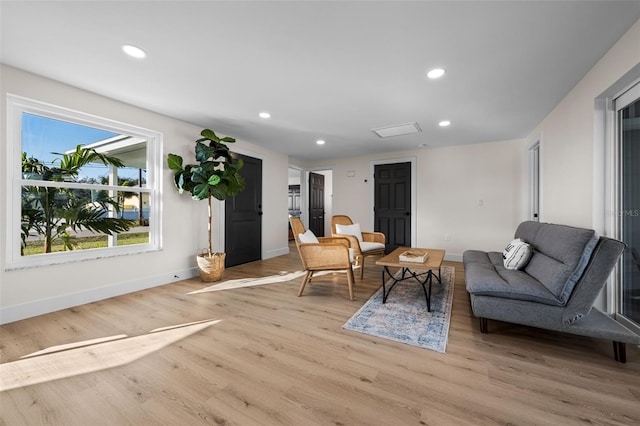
484, 326
350, 281
361, 268
305, 280
620, 352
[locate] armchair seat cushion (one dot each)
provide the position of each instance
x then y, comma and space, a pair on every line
367, 246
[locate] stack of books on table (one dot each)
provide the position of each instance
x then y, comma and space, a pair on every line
413, 256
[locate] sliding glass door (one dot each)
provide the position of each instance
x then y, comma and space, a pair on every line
628, 124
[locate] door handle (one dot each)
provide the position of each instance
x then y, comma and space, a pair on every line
407, 214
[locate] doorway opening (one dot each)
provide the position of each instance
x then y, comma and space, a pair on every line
295, 200
393, 203
534, 181
393, 198
320, 206
243, 216
314, 206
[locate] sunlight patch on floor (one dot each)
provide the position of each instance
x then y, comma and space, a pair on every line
250, 282
84, 357
283, 276
74, 345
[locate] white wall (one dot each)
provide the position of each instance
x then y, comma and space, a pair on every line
450, 183
476, 195
294, 176
29, 292
568, 165
572, 154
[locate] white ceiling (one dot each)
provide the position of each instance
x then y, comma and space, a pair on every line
324, 70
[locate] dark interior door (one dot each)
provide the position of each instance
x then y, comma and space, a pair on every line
243, 216
392, 204
316, 204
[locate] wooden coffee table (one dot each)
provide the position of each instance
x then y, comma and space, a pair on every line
424, 275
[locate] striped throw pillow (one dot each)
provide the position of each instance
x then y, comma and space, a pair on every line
517, 254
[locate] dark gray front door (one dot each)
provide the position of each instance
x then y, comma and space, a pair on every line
392, 204
316, 204
243, 216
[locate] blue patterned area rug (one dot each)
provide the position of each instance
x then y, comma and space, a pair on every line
404, 317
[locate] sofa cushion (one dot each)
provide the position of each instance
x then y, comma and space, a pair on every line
485, 275
560, 255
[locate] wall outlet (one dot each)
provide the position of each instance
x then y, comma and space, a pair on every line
447, 237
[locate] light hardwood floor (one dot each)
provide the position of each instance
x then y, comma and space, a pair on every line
275, 358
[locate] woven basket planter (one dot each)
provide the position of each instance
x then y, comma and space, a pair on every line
211, 268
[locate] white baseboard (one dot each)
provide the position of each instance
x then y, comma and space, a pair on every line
453, 257
44, 306
275, 253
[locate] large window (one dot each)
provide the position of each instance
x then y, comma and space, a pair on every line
627, 108
80, 186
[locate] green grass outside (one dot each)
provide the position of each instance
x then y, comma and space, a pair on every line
84, 243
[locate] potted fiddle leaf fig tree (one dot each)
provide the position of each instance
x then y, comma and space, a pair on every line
216, 175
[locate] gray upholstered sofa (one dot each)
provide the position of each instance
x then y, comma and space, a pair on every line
555, 290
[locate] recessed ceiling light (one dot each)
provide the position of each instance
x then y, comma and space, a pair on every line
320, 142
264, 115
133, 51
444, 123
435, 73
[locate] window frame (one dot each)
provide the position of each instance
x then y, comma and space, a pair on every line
618, 103
606, 185
16, 106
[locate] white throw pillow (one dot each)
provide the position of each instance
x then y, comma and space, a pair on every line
350, 230
517, 254
308, 237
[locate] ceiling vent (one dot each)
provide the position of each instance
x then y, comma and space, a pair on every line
397, 130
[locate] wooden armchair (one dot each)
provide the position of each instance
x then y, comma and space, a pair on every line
370, 243
328, 254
